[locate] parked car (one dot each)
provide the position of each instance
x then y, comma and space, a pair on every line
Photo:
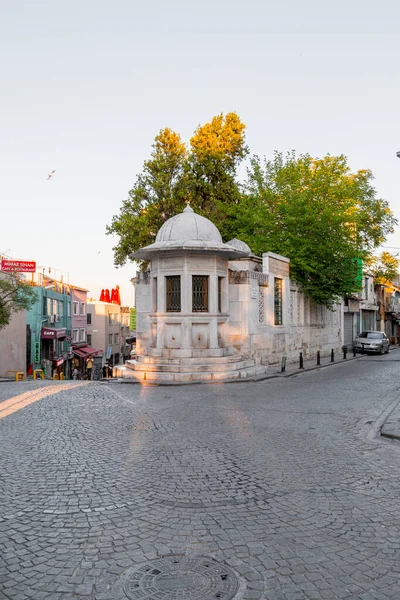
372, 341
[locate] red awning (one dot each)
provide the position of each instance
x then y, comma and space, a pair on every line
85, 351
47, 333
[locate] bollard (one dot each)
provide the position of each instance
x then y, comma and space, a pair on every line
318, 358
332, 355
283, 365
354, 351
301, 366
344, 352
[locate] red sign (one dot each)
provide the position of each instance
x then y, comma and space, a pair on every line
20, 266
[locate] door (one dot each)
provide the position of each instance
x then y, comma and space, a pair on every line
348, 329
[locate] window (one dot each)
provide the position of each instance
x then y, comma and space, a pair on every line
75, 308
89, 319
55, 307
110, 339
110, 319
116, 336
82, 309
278, 301
173, 290
220, 280
61, 308
49, 307
75, 334
200, 293
82, 335
155, 294
89, 339
69, 309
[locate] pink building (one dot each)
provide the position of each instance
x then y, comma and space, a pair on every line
81, 341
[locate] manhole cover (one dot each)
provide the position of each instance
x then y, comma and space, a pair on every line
190, 578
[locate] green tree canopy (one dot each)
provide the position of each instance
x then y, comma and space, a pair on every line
317, 213
204, 173
15, 295
384, 267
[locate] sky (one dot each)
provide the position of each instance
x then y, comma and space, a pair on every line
86, 85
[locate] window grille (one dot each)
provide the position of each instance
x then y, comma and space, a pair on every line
89, 318
173, 289
261, 306
200, 293
278, 301
220, 279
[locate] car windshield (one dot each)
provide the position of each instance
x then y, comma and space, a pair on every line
375, 335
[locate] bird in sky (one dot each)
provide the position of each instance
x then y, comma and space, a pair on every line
50, 175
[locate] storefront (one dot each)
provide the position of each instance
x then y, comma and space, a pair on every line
81, 356
54, 351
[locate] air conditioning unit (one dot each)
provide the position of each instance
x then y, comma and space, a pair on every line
51, 319
58, 319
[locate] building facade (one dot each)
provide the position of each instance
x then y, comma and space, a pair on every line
49, 328
104, 329
210, 310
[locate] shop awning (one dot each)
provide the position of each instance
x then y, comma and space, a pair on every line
47, 333
85, 351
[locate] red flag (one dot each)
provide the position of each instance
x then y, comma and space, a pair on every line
107, 296
102, 296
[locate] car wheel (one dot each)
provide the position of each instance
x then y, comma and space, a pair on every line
387, 350
381, 350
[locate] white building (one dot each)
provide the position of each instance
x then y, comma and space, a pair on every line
209, 310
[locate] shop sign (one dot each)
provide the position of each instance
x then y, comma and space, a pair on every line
37, 352
354, 305
109, 352
132, 315
59, 362
19, 266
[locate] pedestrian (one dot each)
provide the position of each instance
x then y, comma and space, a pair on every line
89, 367
75, 373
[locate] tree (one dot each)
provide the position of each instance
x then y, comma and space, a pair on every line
384, 267
317, 213
205, 174
15, 295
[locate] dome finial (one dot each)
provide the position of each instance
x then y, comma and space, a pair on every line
188, 207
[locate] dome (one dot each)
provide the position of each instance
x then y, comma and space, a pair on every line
189, 232
240, 245
188, 226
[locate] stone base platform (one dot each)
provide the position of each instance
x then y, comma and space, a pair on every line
221, 366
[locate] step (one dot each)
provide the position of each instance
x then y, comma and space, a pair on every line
144, 376
189, 352
190, 368
151, 360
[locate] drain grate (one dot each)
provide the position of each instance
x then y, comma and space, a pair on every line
181, 577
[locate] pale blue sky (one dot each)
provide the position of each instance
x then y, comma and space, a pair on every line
86, 85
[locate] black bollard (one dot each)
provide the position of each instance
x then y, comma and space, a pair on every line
301, 361
354, 351
318, 358
283, 365
332, 355
344, 352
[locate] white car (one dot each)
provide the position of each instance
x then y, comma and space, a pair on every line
371, 341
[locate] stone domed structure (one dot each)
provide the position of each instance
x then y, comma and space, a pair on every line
189, 231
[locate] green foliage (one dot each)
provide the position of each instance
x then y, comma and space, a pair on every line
15, 295
384, 267
318, 214
205, 174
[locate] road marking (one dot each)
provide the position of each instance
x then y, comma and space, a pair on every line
18, 402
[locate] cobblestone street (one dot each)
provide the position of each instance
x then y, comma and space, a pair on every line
285, 483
